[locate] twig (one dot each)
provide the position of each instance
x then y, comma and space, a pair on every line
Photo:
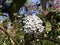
10, 37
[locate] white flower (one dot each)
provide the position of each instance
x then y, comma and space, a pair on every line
41, 29
32, 24
25, 30
59, 23
59, 36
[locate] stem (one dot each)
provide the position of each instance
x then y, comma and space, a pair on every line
45, 38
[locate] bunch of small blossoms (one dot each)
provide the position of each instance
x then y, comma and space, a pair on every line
33, 24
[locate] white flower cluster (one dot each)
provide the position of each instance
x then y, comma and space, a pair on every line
33, 24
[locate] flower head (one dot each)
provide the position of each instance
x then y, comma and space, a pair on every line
33, 24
